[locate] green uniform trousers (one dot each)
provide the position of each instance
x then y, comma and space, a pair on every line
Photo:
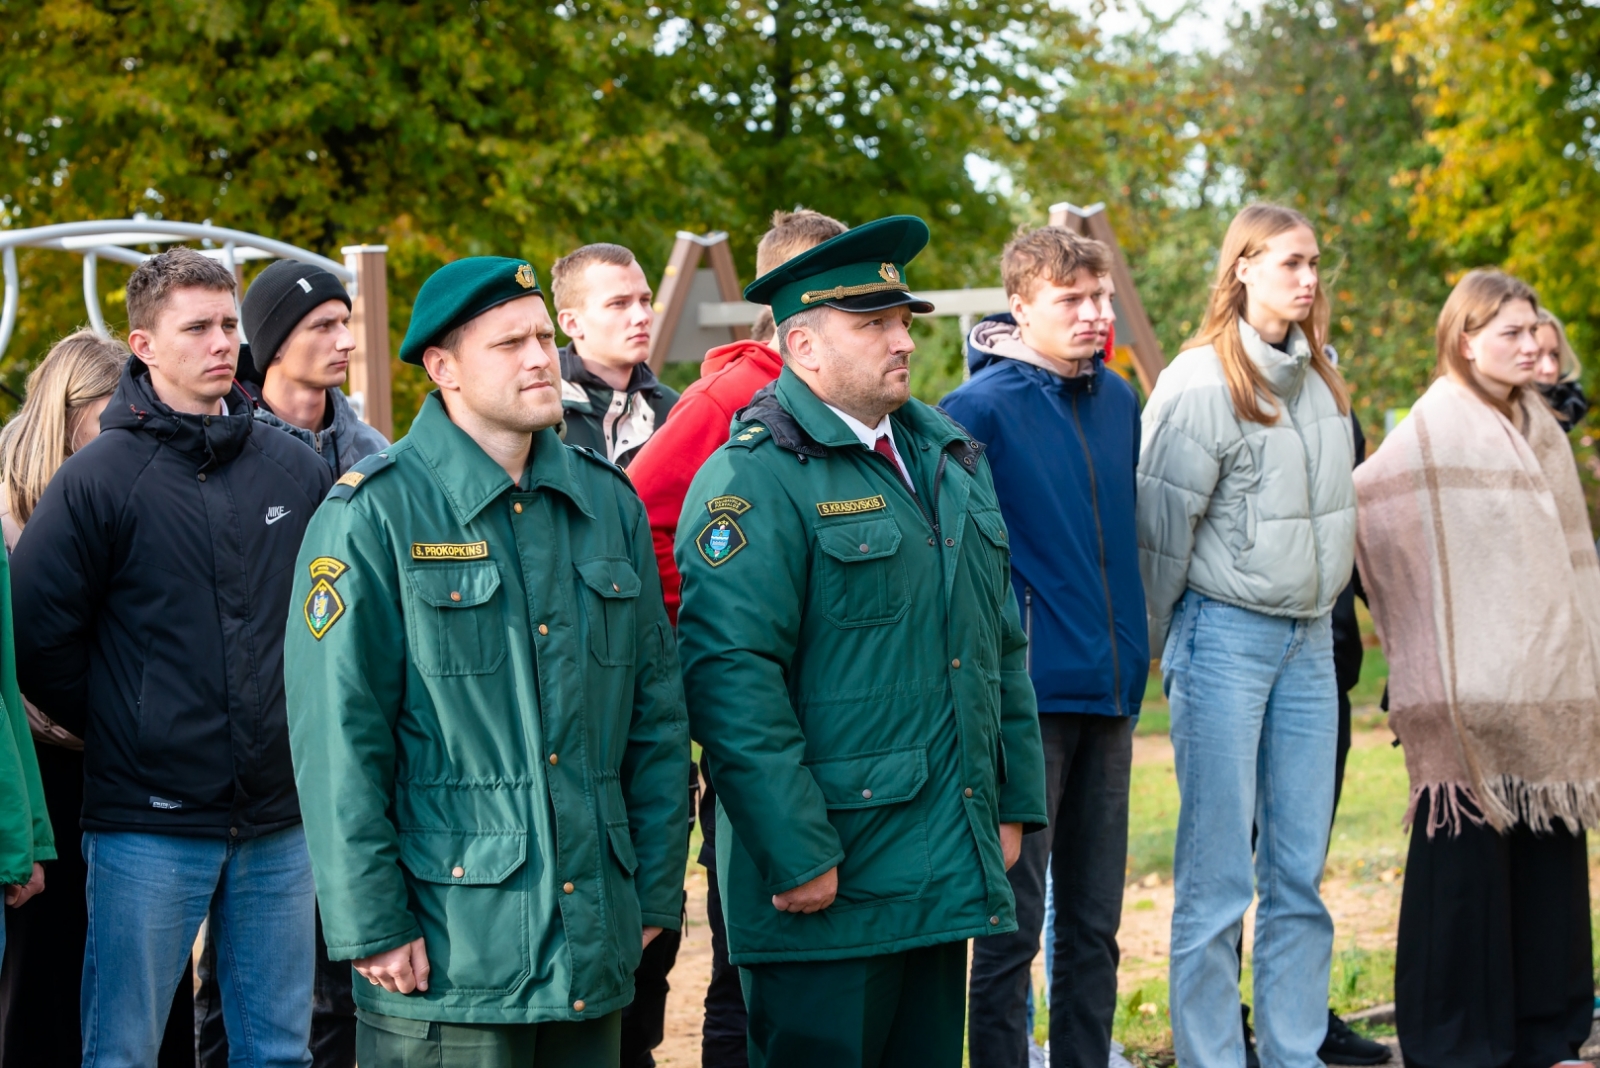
898, 1010
390, 1042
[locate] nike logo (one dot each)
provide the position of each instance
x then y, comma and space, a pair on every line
275, 513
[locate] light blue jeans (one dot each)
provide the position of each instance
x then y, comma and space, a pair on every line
148, 893
1255, 719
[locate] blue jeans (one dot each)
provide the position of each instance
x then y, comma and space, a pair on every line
148, 893
1255, 717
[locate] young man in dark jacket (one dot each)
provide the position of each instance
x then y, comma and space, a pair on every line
297, 317
152, 594
1062, 436
612, 402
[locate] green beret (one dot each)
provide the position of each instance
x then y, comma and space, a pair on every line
459, 292
861, 270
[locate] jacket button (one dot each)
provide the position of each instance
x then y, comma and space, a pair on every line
458, 871
956, 662
567, 888
967, 791
577, 1006
207, 420
543, 629
615, 588
994, 921
932, 541
517, 508
233, 832
202, 476
455, 595
867, 794
950, 541
554, 759
865, 548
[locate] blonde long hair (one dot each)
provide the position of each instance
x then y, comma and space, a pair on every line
80, 369
1471, 306
1247, 236
1571, 366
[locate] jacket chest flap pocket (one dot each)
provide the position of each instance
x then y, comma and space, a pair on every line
457, 623
610, 600
862, 577
473, 913
884, 834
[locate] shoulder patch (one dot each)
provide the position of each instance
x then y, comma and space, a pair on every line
750, 436
324, 606
359, 474
861, 504
729, 503
721, 539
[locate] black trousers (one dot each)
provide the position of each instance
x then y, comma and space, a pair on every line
644, 1018
723, 1042
41, 982
1493, 964
1087, 763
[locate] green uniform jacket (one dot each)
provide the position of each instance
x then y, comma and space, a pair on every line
489, 734
25, 834
854, 665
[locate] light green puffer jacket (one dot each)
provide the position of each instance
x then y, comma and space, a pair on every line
1263, 517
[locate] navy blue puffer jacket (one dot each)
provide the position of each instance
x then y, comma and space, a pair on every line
1064, 452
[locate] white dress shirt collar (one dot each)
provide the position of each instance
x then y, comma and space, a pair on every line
869, 436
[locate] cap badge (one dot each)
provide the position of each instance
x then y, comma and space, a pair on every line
525, 277
888, 273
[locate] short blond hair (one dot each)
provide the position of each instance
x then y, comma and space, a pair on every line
566, 274
1049, 254
792, 233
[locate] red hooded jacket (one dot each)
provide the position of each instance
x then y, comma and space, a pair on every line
668, 462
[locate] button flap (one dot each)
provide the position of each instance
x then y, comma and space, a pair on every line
455, 585
622, 846
870, 779
993, 526
860, 539
484, 858
609, 577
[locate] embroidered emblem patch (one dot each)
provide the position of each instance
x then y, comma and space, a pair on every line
472, 550
861, 504
323, 608
351, 479
721, 539
730, 503
525, 277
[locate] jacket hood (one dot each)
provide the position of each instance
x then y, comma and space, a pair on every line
1284, 371
210, 440
723, 355
997, 337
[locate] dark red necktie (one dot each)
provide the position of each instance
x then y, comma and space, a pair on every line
884, 449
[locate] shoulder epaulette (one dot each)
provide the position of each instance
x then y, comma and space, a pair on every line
363, 470
595, 458
750, 436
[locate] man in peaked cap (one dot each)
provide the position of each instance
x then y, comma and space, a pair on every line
854, 665
485, 711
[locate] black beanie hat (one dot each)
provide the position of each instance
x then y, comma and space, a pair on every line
278, 299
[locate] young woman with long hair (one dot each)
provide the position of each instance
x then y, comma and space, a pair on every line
1557, 374
1478, 560
1246, 517
39, 995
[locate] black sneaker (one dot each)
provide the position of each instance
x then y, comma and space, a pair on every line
1344, 1046
1251, 1058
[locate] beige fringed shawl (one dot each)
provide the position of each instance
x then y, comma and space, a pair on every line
1474, 546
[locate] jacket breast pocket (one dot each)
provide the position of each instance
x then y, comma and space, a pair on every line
610, 604
472, 910
871, 804
862, 579
457, 623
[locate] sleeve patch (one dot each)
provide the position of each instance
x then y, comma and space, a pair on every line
329, 568
721, 539
730, 503
323, 608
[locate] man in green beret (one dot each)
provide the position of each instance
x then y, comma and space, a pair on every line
854, 665
485, 709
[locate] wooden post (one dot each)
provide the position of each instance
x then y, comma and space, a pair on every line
369, 321
727, 280
673, 295
1148, 359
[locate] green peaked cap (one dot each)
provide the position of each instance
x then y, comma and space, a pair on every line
861, 270
459, 292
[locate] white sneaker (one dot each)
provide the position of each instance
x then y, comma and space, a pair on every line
1117, 1059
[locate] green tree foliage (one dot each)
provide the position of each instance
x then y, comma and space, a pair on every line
446, 129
